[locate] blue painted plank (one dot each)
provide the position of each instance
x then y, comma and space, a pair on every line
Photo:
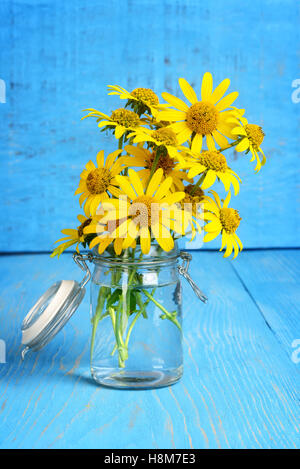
56, 58
272, 279
238, 391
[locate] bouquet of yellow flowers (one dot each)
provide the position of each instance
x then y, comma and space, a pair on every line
177, 149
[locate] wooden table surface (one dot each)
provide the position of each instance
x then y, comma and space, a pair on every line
241, 378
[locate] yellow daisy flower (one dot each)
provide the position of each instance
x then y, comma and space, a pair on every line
149, 213
164, 137
121, 120
222, 219
251, 137
141, 99
72, 236
141, 157
214, 165
201, 118
97, 182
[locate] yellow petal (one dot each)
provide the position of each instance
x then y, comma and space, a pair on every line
118, 245
225, 179
217, 198
177, 127
172, 116
119, 131
136, 151
90, 166
132, 233
175, 102
239, 131
227, 200
95, 203
210, 142
209, 179
238, 241
155, 181
100, 159
196, 169
209, 216
197, 143
243, 145
220, 139
111, 158
224, 240
235, 247
219, 91
126, 186
163, 188
184, 135
95, 241
81, 218
173, 198
229, 247
227, 101
81, 188
236, 185
207, 86
136, 182
145, 240
70, 232
210, 236
104, 244
163, 236
213, 226
188, 91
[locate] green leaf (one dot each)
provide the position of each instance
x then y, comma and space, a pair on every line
132, 303
114, 297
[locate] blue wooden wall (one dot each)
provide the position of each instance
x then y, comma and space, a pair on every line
56, 58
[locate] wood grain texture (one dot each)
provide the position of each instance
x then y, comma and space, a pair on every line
239, 388
56, 58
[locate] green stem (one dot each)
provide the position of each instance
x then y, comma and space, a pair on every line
120, 146
100, 303
142, 311
233, 144
142, 305
161, 307
131, 327
159, 151
123, 354
198, 183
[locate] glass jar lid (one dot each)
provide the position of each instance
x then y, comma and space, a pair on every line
53, 309
50, 313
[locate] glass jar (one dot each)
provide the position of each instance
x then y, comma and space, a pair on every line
135, 313
136, 319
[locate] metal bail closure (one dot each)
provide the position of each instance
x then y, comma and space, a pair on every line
183, 270
53, 309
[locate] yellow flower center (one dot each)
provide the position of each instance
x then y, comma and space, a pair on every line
82, 226
165, 162
255, 134
98, 180
194, 199
126, 118
145, 95
202, 118
213, 160
165, 136
143, 210
230, 219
